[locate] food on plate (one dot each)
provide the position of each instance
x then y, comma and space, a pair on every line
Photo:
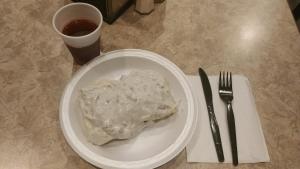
121, 109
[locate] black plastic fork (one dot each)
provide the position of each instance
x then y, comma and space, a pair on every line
226, 94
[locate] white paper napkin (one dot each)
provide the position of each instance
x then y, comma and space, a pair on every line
250, 139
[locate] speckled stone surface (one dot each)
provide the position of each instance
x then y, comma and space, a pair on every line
256, 38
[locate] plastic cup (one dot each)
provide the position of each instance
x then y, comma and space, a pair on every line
82, 47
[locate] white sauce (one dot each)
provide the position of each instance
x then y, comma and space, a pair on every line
120, 109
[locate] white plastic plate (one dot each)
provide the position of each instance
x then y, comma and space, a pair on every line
155, 145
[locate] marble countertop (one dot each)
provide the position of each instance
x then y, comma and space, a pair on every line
256, 38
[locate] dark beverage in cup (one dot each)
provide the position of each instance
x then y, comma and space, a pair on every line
85, 54
82, 27
79, 26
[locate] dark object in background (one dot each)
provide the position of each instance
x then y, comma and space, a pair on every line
110, 9
295, 8
158, 1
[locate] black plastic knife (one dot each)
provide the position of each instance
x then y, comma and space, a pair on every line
212, 118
